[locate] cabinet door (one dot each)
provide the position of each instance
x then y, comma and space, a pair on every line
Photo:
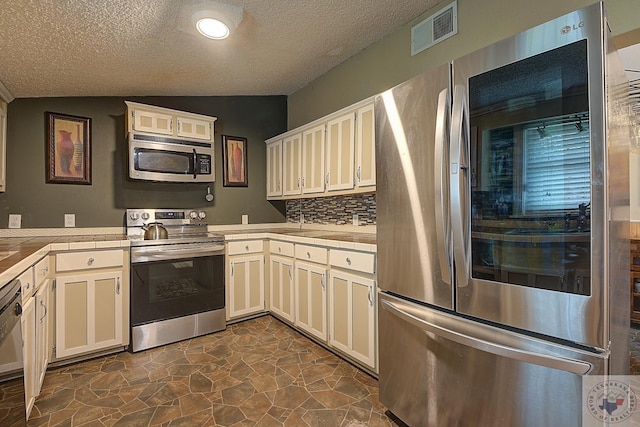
313, 160
340, 153
88, 313
152, 122
274, 169
281, 287
365, 147
28, 325
311, 298
352, 316
245, 285
43, 348
194, 128
3, 147
291, 158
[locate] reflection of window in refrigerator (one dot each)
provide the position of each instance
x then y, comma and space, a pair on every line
556, 171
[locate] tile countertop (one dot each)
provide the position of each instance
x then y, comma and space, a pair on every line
19, 253
337, 239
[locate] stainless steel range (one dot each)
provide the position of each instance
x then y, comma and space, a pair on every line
177, 276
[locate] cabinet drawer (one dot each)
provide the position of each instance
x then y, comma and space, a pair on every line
88, 260
281, 248
359, 261
311, 253
41, 270
26, 284
245, 247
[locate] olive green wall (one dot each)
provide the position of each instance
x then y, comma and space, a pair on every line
102, 204
389, 61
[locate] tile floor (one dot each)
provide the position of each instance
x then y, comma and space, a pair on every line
255, 373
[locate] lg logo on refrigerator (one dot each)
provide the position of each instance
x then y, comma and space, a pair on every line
568, 28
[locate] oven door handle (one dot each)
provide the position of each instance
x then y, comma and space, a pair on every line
167, 254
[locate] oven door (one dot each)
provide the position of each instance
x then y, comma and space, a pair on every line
165, 159
180, 284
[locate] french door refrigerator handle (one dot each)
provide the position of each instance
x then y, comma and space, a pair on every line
441, 190
569, 365
459, 185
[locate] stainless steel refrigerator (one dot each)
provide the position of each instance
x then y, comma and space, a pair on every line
502, 229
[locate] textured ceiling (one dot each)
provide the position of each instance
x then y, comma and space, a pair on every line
148, 47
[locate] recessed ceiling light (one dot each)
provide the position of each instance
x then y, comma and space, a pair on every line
212, 28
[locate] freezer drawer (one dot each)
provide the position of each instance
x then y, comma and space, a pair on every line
441, 370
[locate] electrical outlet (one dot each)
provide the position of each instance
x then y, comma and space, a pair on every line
15, 220
69, 220
355, 220
245, 219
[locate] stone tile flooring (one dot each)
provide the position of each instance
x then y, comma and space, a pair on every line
255, 373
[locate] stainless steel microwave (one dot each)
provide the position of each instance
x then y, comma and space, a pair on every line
164, 159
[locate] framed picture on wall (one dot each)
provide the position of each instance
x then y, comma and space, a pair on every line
234, 161
68, 149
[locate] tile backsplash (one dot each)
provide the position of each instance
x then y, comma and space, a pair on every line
334, 210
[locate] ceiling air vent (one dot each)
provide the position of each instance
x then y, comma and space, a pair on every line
439, 26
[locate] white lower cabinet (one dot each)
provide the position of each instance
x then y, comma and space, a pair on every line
28, 325
91, 301
311, 298
352, 316
245, 278
43, 312
89, 313
281, 274
246, 286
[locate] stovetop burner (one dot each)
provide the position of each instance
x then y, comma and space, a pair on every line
183, 226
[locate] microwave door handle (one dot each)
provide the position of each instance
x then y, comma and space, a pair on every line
195, 164
441, 190
459, 185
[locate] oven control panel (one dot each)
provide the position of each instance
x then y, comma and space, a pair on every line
140, 217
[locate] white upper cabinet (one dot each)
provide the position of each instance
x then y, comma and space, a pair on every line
150, 119
152, 122
274, 169
291, 169
365, 147
194, 128
3, 146
339, 147
313, 160
340, 152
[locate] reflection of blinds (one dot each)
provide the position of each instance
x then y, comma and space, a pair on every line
556, 166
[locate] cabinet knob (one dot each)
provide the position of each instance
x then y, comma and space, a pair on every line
28, 285
45, 270
348, 261
246, 247
308, 254
90, 261
279, 249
